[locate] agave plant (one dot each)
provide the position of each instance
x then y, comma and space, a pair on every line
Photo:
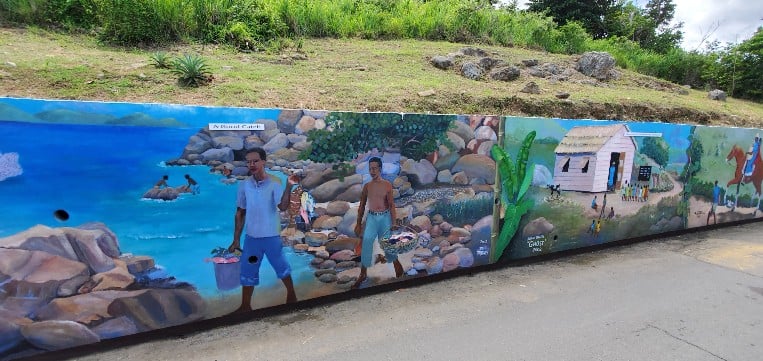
191, 70
515, 178
160, 59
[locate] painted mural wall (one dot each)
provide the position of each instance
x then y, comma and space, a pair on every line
120, 218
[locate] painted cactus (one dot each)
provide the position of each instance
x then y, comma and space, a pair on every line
515, 179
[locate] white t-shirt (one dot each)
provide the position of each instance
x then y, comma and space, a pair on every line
261, 199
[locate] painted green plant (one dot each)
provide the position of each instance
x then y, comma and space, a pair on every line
515, 178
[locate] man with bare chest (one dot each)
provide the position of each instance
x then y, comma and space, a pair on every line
377, 195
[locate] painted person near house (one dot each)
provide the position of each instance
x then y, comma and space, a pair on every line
258, 202
377, 195
611, 177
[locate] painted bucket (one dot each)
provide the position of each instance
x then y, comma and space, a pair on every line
227, 275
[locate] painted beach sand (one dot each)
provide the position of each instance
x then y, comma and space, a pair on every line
597, 181
98, 244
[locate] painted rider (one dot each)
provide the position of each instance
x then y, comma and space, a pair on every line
752, 155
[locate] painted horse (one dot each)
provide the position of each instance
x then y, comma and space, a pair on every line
740, 157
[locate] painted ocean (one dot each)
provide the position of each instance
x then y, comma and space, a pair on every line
99, 174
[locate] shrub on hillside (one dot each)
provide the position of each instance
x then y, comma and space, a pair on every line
131, 22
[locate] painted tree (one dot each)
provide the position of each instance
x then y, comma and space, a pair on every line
657, 149
348, 134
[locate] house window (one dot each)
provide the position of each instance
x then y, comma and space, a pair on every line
585, 167
566, 166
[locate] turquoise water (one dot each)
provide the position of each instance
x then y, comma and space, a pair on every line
99, 174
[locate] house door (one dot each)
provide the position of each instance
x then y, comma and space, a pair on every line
615, 170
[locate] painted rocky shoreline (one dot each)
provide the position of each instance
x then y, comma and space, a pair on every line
452, 176
70, 286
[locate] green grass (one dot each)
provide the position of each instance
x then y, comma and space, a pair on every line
376, 76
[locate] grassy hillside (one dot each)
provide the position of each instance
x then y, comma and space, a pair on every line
337, 74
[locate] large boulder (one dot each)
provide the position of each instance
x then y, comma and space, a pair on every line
224, 155
717, 94
196, 145
88, 251
164, 194
232, 142
138, 264
465, 257
253, 141
107, 239
57, 335
599, 65
37, 274
342, 243
270, 129
158, 308
485, 133
538, 226
277, 142
508, 73
327, 222
458, 142
118, 278
420, 173
446, 161
352, 194
328, 191
442, 62
288, 119
305, 124
472, 71
88, 308
347, 226
316, 239
542, 176
10, 335
476, 166
337, 208
42, 238
481, 230
463, 130
316, 177
116, 327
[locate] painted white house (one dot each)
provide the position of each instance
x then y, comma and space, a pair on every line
587, 157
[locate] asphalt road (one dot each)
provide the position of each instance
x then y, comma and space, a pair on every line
694, 297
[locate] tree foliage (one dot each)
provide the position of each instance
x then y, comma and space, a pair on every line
348, 134
739, 68
590, 14
657, 149
650, 27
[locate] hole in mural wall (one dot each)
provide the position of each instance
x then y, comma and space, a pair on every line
252, 259
61, 215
